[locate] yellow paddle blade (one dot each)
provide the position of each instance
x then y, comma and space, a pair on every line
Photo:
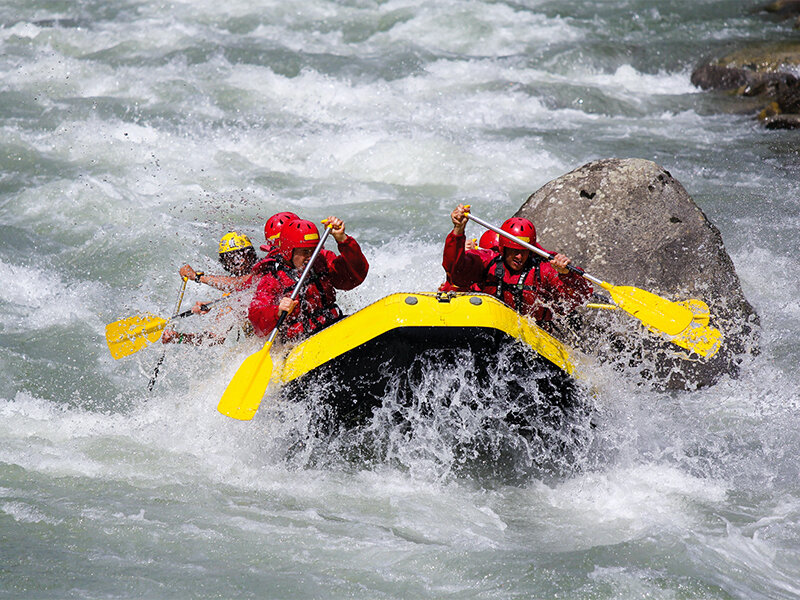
243, 395
655, 312
132, 334
699, 337
699, 309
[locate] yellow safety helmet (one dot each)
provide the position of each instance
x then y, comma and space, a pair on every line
233, 241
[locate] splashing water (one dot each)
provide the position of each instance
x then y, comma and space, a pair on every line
133, 135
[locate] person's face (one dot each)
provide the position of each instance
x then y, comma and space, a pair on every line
236, 262
515, 258
300, 257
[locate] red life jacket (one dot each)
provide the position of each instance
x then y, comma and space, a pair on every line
523, 292
316, 307
267, 264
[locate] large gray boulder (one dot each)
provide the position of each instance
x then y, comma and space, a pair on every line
629, 222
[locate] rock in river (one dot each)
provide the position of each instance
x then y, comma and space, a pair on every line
629, 222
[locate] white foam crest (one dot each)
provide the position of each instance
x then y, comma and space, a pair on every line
403, 132
20, 30
423, 159
751, 565
141, 446
632, 582
110, 146
311, 96
592, 509
510, 107
23, 286
676, 122
433, 513
401, 265
470, 27
23, 512
367, 150
295, 14
623, 504
475, 28
627, 81
762, 392
37, 299
144, 167
80, 207
179, 437
30, 423
429, 154
37, 418
304, 37
777, 301
452, 95
55, 77
412, 509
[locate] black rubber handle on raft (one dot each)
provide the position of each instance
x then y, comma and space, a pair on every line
576, 270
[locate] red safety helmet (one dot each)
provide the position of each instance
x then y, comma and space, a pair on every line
490, 240
521, 228
297, 233
273, 226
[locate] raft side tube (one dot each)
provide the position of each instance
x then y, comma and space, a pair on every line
403, 311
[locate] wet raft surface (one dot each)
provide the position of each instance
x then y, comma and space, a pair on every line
396, 365
486, 381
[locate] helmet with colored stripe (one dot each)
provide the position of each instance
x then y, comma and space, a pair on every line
273, 226
236, 253
297, 233
490, 240
521, 228
233, 241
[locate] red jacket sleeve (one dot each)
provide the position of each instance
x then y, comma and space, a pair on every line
464, 267
570, 288
263, 311
350, 268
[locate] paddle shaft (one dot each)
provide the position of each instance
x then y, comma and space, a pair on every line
656, 313
532, 248
190, 312
300, 281
151, 384
245, 391
159, 323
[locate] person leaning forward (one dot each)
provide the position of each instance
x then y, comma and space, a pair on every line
315, 307
529, 284
237, 256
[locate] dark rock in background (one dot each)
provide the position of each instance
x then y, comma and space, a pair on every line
770, 72
783, 9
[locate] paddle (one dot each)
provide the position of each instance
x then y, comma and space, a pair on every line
128, 336
161, 358
682, 325
243, 395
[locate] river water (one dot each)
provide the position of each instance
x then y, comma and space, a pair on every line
134, 134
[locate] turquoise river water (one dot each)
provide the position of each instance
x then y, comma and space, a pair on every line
135, 133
